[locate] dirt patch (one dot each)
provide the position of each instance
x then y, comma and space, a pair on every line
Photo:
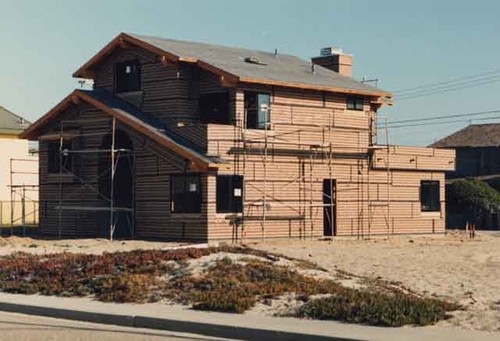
452, 267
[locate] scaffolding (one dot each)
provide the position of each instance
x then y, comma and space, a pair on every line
314, 153
116, 154
323, 152
23, 206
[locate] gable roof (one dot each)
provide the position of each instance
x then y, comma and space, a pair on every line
229, 62
10, 123
474, 135
132, 117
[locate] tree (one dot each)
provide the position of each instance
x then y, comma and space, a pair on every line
473, 197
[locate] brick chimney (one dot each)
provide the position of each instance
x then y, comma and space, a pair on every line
334, 59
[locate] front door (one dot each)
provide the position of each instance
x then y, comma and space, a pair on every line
329, 207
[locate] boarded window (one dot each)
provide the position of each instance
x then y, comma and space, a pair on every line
59, 159
429, 196
355, 103
185, 194
258, 109
229, 193
214, 108
127, 76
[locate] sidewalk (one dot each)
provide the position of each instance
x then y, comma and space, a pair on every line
232, 326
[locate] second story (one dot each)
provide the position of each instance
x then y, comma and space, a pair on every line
220, 97
477, 149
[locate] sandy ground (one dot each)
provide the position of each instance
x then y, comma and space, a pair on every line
90, 246
451, 267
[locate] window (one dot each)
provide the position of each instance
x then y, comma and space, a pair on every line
429, 196
127, 76
258, 108
214, 108
355, 103
60, 157
185, 194
229, 193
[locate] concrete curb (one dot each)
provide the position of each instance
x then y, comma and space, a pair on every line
206, 329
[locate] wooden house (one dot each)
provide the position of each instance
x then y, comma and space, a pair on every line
191, 141
477, 148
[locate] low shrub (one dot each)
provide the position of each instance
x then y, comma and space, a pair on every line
226, 286
356, 306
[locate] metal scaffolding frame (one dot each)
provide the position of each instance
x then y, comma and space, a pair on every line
24, 193
322, 151
115, 154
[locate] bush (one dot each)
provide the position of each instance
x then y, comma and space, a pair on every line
233, 287
392, 310
472, 193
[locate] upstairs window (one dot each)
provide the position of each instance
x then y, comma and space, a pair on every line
258, 109
355, 103
229, 194
185, 194
59, 159
429, 196
214, 108
127, 76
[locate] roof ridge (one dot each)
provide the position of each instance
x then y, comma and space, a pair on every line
271, 53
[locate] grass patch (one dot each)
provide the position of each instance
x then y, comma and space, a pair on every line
225, 286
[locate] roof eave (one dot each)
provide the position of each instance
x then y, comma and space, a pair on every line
377, 94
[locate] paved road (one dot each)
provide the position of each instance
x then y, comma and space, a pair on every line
21, 327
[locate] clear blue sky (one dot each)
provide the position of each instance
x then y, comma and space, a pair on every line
403, 43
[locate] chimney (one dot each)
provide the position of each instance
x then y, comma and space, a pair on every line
335, 59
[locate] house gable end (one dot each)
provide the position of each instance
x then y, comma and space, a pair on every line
132, 120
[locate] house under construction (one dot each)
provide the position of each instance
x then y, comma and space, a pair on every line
190, 141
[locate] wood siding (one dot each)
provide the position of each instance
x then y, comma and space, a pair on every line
312, 137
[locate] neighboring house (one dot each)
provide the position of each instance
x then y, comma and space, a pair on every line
477, 149
18, 173
218, 143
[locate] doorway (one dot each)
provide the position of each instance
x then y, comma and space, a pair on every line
329, 207
123, 189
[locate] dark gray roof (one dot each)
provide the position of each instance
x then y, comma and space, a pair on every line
11, 123
124, 108
283, 68
474, 135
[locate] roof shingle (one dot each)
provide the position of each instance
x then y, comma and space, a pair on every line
280, 67
474, 135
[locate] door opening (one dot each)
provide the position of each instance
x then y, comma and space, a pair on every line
329, 207
123, 195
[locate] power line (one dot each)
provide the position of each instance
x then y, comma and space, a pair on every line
449, 88
454, 80
443, 122
433, 118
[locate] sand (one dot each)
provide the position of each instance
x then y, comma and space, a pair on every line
13, 244
451, 267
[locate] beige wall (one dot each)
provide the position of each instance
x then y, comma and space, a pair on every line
16, 149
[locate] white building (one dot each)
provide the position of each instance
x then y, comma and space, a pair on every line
18, 173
